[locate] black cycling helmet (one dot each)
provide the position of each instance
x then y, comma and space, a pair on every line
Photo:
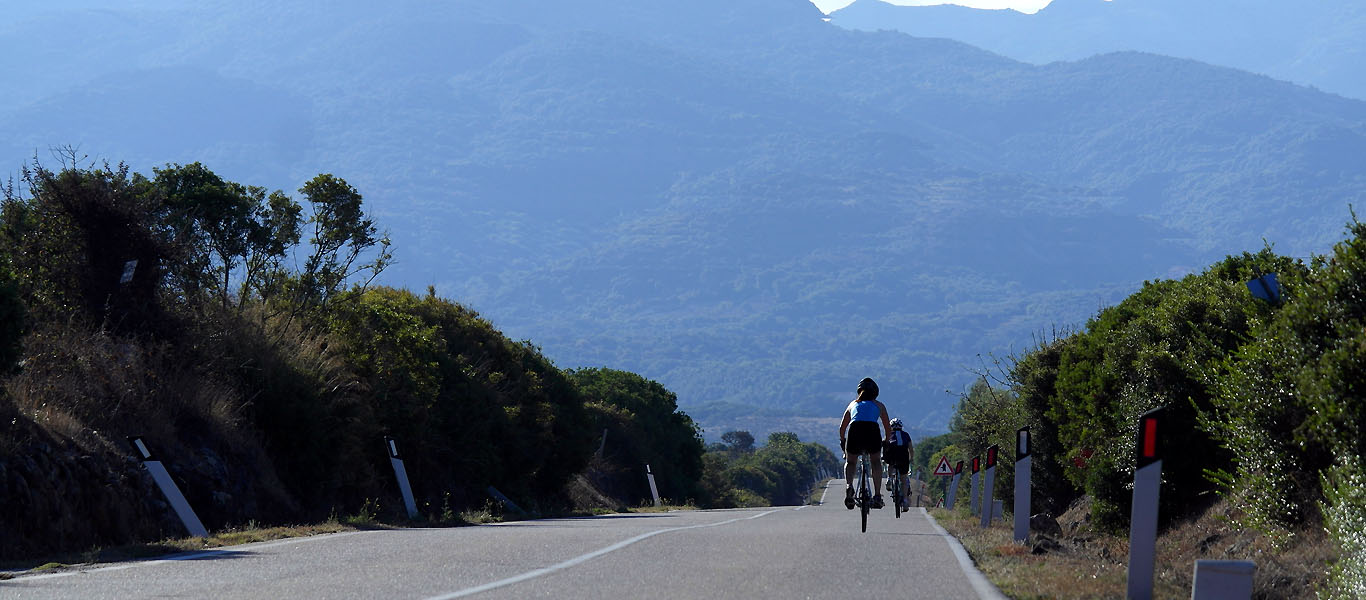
869, 386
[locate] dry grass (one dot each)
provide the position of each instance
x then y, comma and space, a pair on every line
1079, 563
230, 537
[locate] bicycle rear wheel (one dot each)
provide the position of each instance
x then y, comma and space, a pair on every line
897, 492
865, 497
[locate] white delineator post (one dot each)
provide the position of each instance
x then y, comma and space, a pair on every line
654, 491
402, 475
987, 492
1022, 464
953, 485
976, 489
1143, 518
169, 489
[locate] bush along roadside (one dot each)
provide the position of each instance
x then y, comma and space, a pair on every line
1253, 363
169, 308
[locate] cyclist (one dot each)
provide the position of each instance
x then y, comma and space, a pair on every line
863, 437
898, 451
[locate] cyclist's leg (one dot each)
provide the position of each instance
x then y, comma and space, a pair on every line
849, 466
877, 471
877, 477
905, 483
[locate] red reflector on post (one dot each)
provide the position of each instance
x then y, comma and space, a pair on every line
1147, 448
1150, 438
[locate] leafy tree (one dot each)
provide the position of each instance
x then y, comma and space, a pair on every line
779, 472
210, 217
644, 427
340, 233
68, 242
1287, 403
1034, 379
230, 230
988, 416
739, 441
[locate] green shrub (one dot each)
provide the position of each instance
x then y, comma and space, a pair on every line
1344, 512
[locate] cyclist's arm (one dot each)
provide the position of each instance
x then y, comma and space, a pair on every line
886, 422
844, 426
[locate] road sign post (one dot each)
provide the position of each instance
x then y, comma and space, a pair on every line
169, 489
1022, 464
401, 474
1143, 516
953, 485
990, 478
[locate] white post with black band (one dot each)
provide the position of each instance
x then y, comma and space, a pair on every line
401, 474
1022, 465
654, 491
988, 494
1143, 516
169, 488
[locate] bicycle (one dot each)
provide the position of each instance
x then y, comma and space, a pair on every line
894, 486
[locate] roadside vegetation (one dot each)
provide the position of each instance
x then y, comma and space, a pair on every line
239, 332
1262, 427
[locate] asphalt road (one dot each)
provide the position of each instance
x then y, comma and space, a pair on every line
786, 552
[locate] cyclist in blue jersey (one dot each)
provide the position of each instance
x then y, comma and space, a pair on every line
859, 435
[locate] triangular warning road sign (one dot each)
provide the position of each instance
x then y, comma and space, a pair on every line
943, 468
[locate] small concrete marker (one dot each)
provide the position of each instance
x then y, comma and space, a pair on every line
987, 492
1223, 579
168, 488
129, 268
1143, 516
654, 491
401, 474
1022, 485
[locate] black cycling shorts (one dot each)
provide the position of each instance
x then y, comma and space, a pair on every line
901, 463
864, 438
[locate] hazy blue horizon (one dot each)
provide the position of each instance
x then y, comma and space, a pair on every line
1024, 6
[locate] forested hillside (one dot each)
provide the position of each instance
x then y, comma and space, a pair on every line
751, 206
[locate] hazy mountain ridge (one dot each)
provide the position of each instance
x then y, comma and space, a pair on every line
749, 219
1313, 43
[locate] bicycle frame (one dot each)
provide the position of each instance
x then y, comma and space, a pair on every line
864, 497
894, 486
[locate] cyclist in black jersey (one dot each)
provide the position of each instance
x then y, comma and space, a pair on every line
863, 437
898, 451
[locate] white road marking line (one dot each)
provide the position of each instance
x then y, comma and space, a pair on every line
185, 556
827, 491
984, 588
583, 558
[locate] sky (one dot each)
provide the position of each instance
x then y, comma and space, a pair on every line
1027, 6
